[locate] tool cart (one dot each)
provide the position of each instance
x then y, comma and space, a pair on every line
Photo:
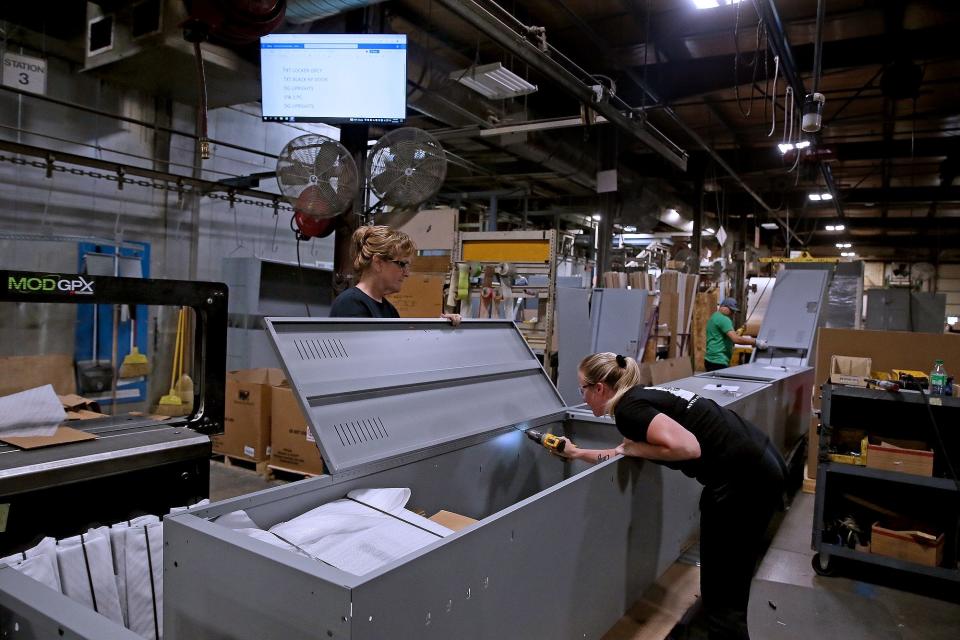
887, 492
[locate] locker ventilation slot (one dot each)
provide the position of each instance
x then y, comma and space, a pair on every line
353, 432
311, 349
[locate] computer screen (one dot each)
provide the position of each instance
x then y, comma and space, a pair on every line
334, 78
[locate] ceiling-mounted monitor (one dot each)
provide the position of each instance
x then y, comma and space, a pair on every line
334, 78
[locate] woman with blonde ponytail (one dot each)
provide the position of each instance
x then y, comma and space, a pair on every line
742, 473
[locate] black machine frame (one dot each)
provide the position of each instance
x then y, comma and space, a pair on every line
207, 299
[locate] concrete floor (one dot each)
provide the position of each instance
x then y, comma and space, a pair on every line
788, 600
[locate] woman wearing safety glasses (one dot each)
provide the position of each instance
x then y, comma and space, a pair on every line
381, 258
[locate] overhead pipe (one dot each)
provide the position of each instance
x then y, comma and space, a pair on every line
780, 44
518, 45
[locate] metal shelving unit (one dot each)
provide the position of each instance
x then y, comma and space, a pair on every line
889, 415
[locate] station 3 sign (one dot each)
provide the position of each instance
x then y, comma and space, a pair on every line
25, 73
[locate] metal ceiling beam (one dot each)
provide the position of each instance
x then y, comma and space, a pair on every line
680, 79
518, 45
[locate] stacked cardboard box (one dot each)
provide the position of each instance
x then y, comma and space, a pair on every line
677, 295
293, 447
247, 412
434, 233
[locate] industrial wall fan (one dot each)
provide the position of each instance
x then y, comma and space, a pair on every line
406, 167
318, 176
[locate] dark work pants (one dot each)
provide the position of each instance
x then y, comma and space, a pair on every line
713, 366
733, 521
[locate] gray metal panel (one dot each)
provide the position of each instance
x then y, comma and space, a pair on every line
617, 316
221, 585
706, 387
757, 371
376, 389
573, 329
32, 611
903, 310
506, 578
793, 314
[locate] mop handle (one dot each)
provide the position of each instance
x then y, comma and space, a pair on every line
176, 350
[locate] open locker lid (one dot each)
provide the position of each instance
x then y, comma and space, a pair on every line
792, 317
374, 389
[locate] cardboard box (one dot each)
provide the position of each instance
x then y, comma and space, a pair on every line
895, 456
663, 371
452, 520
850, 370
921, 547
292, 445
421, 296
247, 413
27, 372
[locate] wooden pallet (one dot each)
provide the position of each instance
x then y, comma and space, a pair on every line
260, 468
276, 472
663, 605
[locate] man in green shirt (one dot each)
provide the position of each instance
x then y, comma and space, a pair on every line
721, 337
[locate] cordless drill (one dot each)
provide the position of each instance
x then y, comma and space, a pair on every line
548, 440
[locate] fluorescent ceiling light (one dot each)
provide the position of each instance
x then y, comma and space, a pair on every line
596, 216
814, 196
844, 245
709, 230
803, 144
826, 196
630, 229
539, 125
712, 4
784, 147
848, 254
493, 81
839, 227
768, 225
830, 227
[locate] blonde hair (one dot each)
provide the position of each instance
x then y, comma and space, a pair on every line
604, 367
378, 240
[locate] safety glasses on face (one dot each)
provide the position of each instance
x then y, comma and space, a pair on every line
403, 264
583, 389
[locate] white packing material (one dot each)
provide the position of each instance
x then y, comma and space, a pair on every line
34, 412
143, 550
367, 530
373, 548
268, 537
42, 568
237, 520
202, 503
118, 536
86, 573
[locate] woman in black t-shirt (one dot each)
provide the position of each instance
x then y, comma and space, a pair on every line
381, 258
742, 473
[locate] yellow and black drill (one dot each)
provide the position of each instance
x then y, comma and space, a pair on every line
548, 440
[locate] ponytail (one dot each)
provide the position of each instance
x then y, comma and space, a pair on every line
620, 373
